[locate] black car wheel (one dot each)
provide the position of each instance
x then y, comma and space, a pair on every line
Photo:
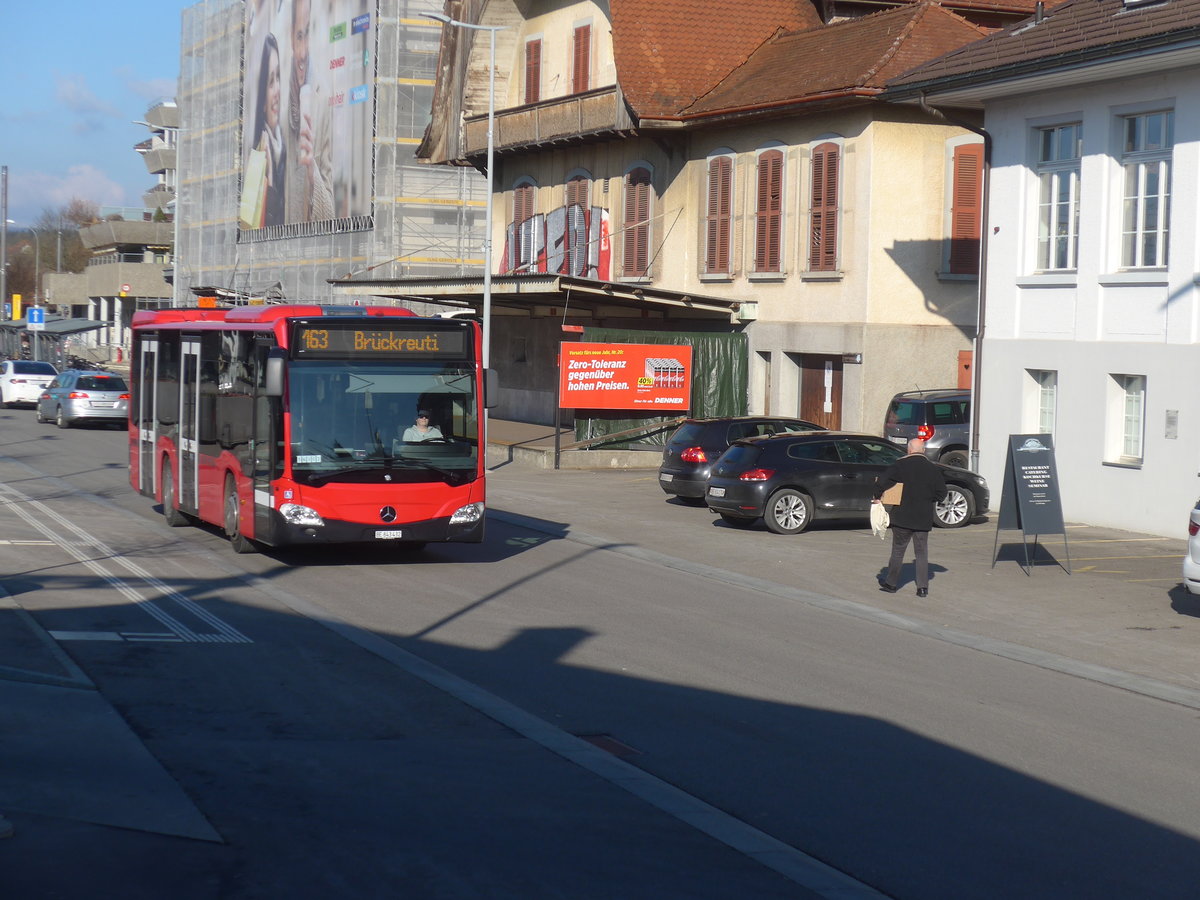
60, 419
956, 509
736, 521
956, 458
42, 420
788, 512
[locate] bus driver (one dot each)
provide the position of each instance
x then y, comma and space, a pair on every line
422, 430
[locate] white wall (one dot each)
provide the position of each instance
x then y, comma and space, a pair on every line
1100, 320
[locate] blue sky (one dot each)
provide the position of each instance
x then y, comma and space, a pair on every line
77, 74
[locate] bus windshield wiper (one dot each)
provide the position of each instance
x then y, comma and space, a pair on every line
449, 474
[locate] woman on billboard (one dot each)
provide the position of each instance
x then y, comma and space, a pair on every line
268, 136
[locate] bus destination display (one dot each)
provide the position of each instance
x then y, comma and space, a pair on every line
314, 340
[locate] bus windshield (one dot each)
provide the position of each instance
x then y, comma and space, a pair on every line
380, 420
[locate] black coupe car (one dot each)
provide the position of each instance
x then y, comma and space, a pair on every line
790, 480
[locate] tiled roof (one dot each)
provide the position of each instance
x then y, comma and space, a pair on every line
854, 55
1074, 29
670, 52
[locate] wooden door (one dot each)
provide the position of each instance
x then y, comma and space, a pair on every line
821, 389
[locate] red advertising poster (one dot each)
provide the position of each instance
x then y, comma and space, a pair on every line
625, 376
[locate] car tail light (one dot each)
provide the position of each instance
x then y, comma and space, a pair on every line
1193, 527
694, 455
756, 475
924, 432
123, 397
77, 395
19, 380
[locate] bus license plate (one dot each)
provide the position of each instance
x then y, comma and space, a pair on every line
716, 492
388, 535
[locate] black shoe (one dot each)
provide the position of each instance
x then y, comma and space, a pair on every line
886, 588
922, 592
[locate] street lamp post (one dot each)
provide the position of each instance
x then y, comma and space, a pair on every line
491, 152
37, 263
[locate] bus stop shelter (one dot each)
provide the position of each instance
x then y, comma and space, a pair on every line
52, 343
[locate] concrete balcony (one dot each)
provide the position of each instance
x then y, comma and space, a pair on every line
577, 119
113, 234
159, 160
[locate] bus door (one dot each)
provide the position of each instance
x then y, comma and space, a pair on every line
189, 422
146, 406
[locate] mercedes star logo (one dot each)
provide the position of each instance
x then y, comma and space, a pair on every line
388, 514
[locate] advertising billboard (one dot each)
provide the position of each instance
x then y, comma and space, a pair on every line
625, 376
307, 112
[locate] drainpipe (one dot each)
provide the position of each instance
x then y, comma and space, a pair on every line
981, 307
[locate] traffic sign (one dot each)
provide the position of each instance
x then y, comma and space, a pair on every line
36, 318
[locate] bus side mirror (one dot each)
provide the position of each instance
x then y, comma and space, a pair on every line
273, 385
491, 388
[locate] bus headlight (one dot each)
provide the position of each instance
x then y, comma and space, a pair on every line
465, 515
295, 514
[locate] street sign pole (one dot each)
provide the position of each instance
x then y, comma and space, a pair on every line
36, 322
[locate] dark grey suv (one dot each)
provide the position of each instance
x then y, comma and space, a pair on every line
697, 443
941, 418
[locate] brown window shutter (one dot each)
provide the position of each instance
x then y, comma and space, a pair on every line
966, 209
636, 256
533, 71
581, 63
822, 248
769, 212
720, 190
575, 251
522, 248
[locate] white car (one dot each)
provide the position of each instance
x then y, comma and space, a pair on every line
1191, 562
22, 380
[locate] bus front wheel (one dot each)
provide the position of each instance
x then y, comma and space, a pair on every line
233, 515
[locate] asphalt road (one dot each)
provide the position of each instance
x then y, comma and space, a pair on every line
288, 699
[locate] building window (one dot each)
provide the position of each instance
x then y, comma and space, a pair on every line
1126, 419
1146, 158
524, 246
581, 59
823, 208
768, 221
719, 219
1059, 151
1041, 401
636, 230
966, 209
533, 70
578, 198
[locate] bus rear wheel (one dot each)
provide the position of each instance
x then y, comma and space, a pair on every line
233, 516
171, 512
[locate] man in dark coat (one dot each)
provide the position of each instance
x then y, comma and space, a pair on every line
912, 519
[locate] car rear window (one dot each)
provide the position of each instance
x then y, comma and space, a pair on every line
688, 433
22, 367
741, 455
905, 412
821, 450
102, 383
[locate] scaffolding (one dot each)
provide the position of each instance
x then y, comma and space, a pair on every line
424, 221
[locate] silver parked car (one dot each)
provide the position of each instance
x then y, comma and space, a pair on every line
84, 395
23, 380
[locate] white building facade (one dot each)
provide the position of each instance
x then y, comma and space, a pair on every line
1090, 304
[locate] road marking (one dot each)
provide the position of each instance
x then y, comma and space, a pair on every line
29, 543
85, 635
1148, 556
225, 633
1120, 540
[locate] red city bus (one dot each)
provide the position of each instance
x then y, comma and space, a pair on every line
286, 425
